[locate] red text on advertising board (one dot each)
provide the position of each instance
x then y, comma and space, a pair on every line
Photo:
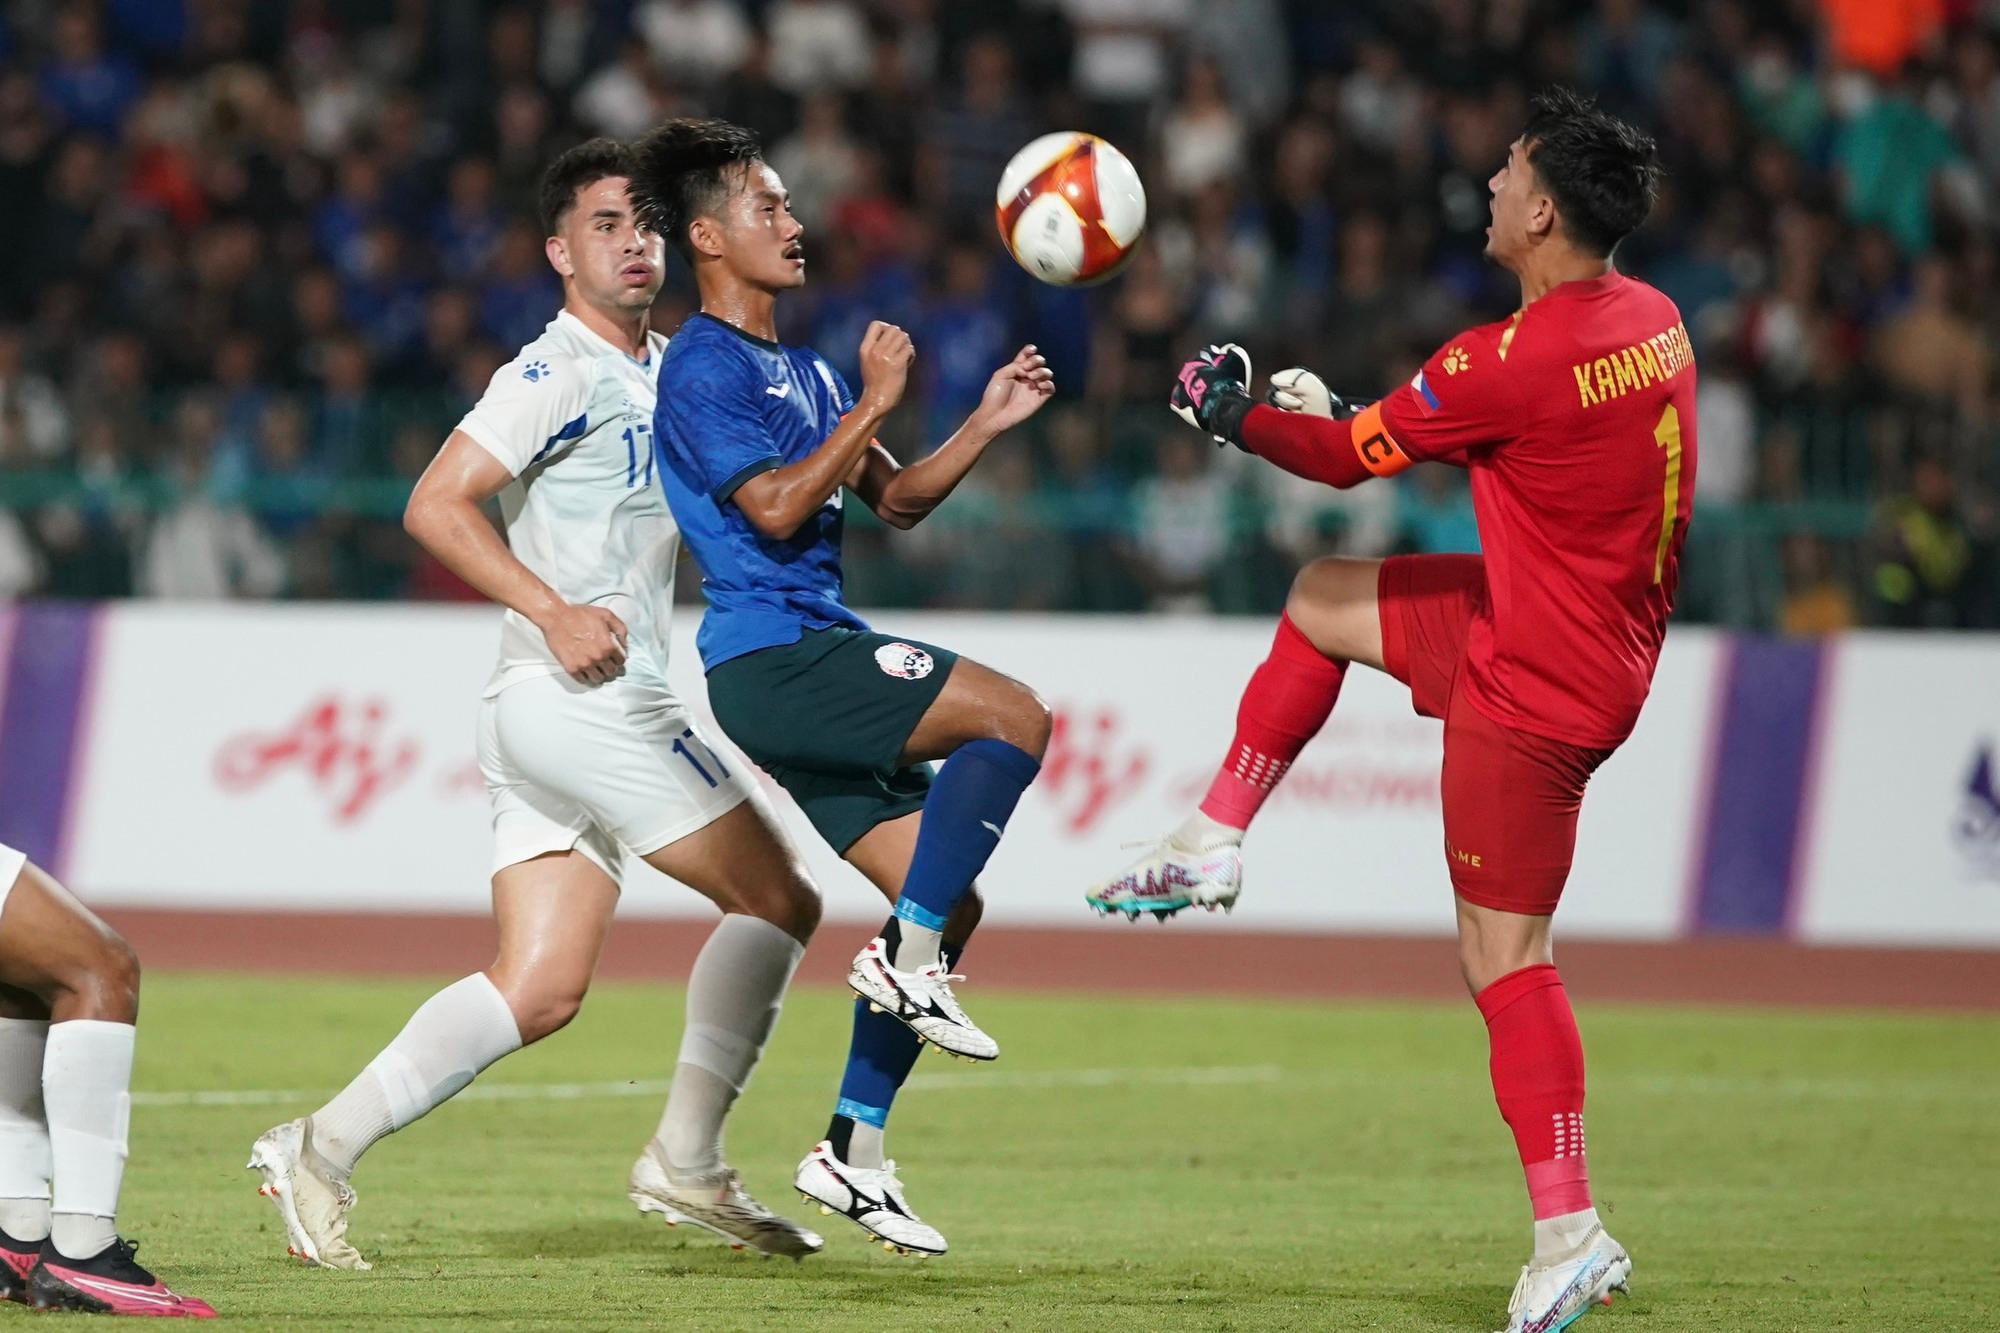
338, 744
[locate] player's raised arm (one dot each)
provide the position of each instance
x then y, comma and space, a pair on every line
780, 501
1309, 439
903, 496
444, 516
1212, 393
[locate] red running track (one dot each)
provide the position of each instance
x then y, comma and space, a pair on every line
1180, 957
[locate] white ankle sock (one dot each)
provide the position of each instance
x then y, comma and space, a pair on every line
452, 1036
734, 991
24, 1130
864, 1146
87, 1092
1557, 1236
1199, 832
917, 947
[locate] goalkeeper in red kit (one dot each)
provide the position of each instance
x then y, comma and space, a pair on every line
1575, 418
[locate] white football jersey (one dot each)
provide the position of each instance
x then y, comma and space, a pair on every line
571, 416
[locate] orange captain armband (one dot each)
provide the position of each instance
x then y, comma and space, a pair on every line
1377, 448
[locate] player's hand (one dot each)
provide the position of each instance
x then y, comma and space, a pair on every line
886, 353
1299, 390
1016, 391
589, 642
1210, 391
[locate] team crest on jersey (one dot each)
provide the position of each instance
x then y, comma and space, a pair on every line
1456, 360
534, 370
904, 661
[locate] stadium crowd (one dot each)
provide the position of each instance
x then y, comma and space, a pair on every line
263, 255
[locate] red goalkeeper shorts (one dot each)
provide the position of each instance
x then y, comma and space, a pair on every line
1511, 798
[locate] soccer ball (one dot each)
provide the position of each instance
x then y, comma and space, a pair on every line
1071, 209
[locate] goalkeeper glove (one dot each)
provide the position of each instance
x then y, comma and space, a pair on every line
1211, 392
1299, 390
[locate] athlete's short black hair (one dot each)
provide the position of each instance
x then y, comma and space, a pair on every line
1603, 173
586, 164
683, 168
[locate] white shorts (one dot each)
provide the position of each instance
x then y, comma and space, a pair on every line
595, 766
12, 862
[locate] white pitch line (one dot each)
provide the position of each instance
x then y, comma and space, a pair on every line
1193, 1076
1642, 1085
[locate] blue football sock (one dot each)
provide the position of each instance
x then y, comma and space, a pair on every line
964, 815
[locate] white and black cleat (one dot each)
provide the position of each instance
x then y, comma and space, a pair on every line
922, 1000
716, 1203
871, 1199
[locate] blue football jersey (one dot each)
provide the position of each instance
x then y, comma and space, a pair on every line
732, 406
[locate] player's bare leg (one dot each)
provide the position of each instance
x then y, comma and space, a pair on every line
991, 731
1332, 618
744, 865
1537, 1068
848, 1172
73, 1000
552, 913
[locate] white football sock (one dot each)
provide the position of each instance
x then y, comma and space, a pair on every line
1555, 1237
1199, 833
734, 991
87, 1091
24, 1130
452, 1036
864, 1146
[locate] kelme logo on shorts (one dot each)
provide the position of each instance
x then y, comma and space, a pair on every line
903, 661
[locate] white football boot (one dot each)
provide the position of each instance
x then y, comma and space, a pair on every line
871, 1199
1176, 872
1553, 1296
716, 1203
309, 1195
922, 999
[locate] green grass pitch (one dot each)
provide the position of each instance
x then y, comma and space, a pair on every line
1130, 1163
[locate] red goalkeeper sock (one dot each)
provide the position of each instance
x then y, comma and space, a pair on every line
1537, 1066
1286, 703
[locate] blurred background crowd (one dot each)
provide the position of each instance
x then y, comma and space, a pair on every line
262, 254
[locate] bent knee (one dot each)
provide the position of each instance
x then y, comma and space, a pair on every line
773, 888
542, 1009
1334, 603
547, 1016
105, 982
1037, 723
1024, 720
1333, 583
792, 905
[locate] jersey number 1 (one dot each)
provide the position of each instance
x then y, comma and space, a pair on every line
1668, 436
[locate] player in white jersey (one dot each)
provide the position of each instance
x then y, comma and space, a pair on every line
586, 751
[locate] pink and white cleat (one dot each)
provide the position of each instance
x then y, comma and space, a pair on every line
1177, 872
109, 1282
17, 1260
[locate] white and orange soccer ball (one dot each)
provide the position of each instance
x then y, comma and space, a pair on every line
1071, 209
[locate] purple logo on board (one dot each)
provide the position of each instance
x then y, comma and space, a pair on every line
1976, 828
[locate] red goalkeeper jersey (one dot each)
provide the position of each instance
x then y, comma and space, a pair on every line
1576, 419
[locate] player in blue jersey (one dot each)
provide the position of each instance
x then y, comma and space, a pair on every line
757, 441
